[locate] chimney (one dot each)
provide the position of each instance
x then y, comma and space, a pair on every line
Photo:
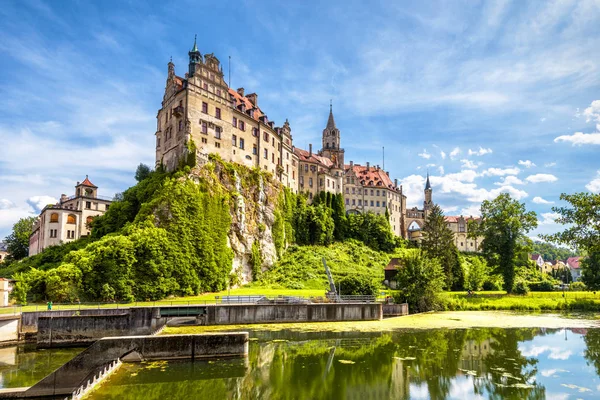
387, 173
241, 91
396, 182
351, 164
310, 149
368, 165
377, 167
253, 97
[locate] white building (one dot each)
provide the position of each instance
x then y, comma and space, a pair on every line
68, 219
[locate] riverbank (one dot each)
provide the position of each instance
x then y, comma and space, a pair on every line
534, 301
433, 320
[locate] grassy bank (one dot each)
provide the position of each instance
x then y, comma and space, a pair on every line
534, 301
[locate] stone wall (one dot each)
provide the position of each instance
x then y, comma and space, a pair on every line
395, 310
9, 329
269, 313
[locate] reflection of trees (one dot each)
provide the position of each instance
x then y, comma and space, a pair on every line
592, 348
376, 366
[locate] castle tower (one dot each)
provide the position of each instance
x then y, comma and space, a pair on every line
195, 59
331, 141
428, 203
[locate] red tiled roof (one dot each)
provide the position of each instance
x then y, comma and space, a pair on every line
304, 155
371, 176
393, 264
86, 182
573, 262
239, 99
535, 257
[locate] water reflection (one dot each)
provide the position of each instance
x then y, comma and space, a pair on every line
22, 366
432, 364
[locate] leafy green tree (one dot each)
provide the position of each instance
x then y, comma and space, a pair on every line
358, 285
476, 273
142, 172
63, 284
21, 288
582, 218
503, 226
550, 252
420, 280
373, 230
18, 241
438, 242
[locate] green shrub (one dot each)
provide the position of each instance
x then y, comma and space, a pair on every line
357, 285
541, 286
577, 287
493, 283
521, 288
421, 281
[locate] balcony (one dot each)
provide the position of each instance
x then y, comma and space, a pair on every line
178, 111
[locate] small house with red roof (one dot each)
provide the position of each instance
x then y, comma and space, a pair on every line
69, 219
538, 259
574, 265
390, 271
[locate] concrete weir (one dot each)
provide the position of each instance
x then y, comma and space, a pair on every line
104, 352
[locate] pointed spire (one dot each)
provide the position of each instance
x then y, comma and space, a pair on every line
427, 184
331, 121
195, 48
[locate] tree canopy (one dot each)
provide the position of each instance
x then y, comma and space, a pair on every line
18, 241
504, 224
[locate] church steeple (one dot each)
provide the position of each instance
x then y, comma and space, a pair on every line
427, 184
195, 58
331, 141
428, 203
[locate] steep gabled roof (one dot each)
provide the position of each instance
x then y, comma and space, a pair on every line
535, 257
573, 262
239, 99
304, 155
372, 176
393, 264
86, 182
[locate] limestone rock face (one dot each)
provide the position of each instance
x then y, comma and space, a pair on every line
252, 207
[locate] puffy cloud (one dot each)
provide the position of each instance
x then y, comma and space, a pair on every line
550, 164
425, 154
441, 169
480, 152
501, 171
594, 185
539, 200
443, 155
454, 153
510, 180
526, 163
579, 138
538, 178
548, 218
468, 164
472, 211
39, 202
592, 113
6, 204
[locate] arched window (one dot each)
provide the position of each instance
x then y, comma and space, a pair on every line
54, 217
89, 220
71, 219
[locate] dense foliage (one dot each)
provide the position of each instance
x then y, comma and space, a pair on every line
438, 243
18, 241
582, 217
503, 226
421, 280
358, 285
549, 252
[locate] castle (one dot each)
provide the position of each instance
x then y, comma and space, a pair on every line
201, 108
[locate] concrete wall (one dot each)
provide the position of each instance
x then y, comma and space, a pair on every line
9, 329
265, 313
71, 330
29, 320
74, 373
395, 310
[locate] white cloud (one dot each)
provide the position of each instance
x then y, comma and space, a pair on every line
480, 152
443, 155
39, 202
548, 218
526, 163
501, 171
441, 169
430, 165
472, 211
5, 204
550, 164
425, 154
538, 178
592, 113
454, 153
539, 200
579, 138
594, 185
468, 164
510, 180
559, 354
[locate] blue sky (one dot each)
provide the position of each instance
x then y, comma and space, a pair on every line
489, 96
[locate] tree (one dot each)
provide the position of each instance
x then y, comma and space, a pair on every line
438, 242
503, 225
18, 241
582, 217
142, 172
420, 280
357, 285
476, 273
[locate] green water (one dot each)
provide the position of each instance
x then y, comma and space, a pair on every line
22, 366
436, 364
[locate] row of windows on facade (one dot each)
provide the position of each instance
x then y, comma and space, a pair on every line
373, 192
373, 203
71, 219
330, 183
54, 234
